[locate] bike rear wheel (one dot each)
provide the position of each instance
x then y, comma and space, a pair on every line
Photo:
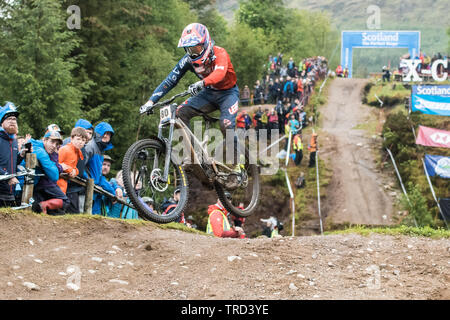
143, 170
244, 199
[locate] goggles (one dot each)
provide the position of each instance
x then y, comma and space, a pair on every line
195, 51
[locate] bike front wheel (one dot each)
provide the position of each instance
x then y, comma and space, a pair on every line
155, 198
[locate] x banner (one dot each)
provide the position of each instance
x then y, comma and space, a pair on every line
433, 137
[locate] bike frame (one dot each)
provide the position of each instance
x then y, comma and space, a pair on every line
188, 136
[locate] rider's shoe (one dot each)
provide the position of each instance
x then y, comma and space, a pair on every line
234, 178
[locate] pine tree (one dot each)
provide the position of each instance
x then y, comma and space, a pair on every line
35, 64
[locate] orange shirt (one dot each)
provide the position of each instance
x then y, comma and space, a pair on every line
68, 155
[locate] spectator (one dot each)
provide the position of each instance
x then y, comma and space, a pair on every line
248, 121
70, 154
9, 153
386, 74
258, 93
257, 117
245, 97
312, 149
47, 194
265, 119
298, 149
281, 116
271, 227
283, 71
346, 72
291, 67
294, 125
339, 71
95, 149
240, 120
54, 127
169, 205
288, 89
299, 87
270, 96
218, 223
273, 121
190, 222
118, 210
109, 206
280, 59
75, 192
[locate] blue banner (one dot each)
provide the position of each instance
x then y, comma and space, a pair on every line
377, 39
431, 99
438, 165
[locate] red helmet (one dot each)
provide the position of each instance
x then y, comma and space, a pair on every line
197, 42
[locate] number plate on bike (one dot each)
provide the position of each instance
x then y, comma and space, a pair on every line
164, 114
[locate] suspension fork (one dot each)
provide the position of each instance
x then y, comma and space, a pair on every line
168, 144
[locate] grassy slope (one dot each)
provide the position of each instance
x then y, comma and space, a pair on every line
421, 15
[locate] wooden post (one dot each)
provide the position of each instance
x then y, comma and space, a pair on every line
89, 196
28, 187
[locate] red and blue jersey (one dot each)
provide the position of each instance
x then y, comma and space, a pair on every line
218, 74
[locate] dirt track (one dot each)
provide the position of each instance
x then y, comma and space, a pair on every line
116, 260
357, 192
95, 258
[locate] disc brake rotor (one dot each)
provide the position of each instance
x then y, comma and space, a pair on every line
157, 181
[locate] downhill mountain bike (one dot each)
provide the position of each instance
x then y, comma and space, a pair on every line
156, 181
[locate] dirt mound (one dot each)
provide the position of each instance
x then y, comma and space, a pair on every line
97, 258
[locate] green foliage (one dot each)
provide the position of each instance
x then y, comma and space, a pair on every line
36, 65
399, 138
248, 51
416, 205
396, 231
268, 15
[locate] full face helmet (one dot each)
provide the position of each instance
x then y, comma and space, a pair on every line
197, 43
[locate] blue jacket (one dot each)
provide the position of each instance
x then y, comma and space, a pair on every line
94, 161
288, 87
8, 163
47, 164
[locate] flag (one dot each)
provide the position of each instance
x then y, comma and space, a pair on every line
438, 165
431, 99
433, 137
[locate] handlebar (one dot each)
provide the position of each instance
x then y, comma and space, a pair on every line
149, 111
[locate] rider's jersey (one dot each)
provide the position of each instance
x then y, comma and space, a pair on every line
218, 74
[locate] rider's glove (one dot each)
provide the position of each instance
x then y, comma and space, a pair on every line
195, 88
146, 106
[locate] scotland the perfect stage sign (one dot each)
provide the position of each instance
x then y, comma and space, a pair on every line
376, 39
431, 99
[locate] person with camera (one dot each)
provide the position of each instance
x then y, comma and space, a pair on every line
218, 223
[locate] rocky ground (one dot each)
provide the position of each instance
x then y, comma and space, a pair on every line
98, 258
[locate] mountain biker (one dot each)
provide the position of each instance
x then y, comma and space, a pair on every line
217, 88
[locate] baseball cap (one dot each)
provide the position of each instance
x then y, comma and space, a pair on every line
54, 135
107, 158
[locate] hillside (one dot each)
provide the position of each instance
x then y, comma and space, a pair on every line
395, 15
82, 257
